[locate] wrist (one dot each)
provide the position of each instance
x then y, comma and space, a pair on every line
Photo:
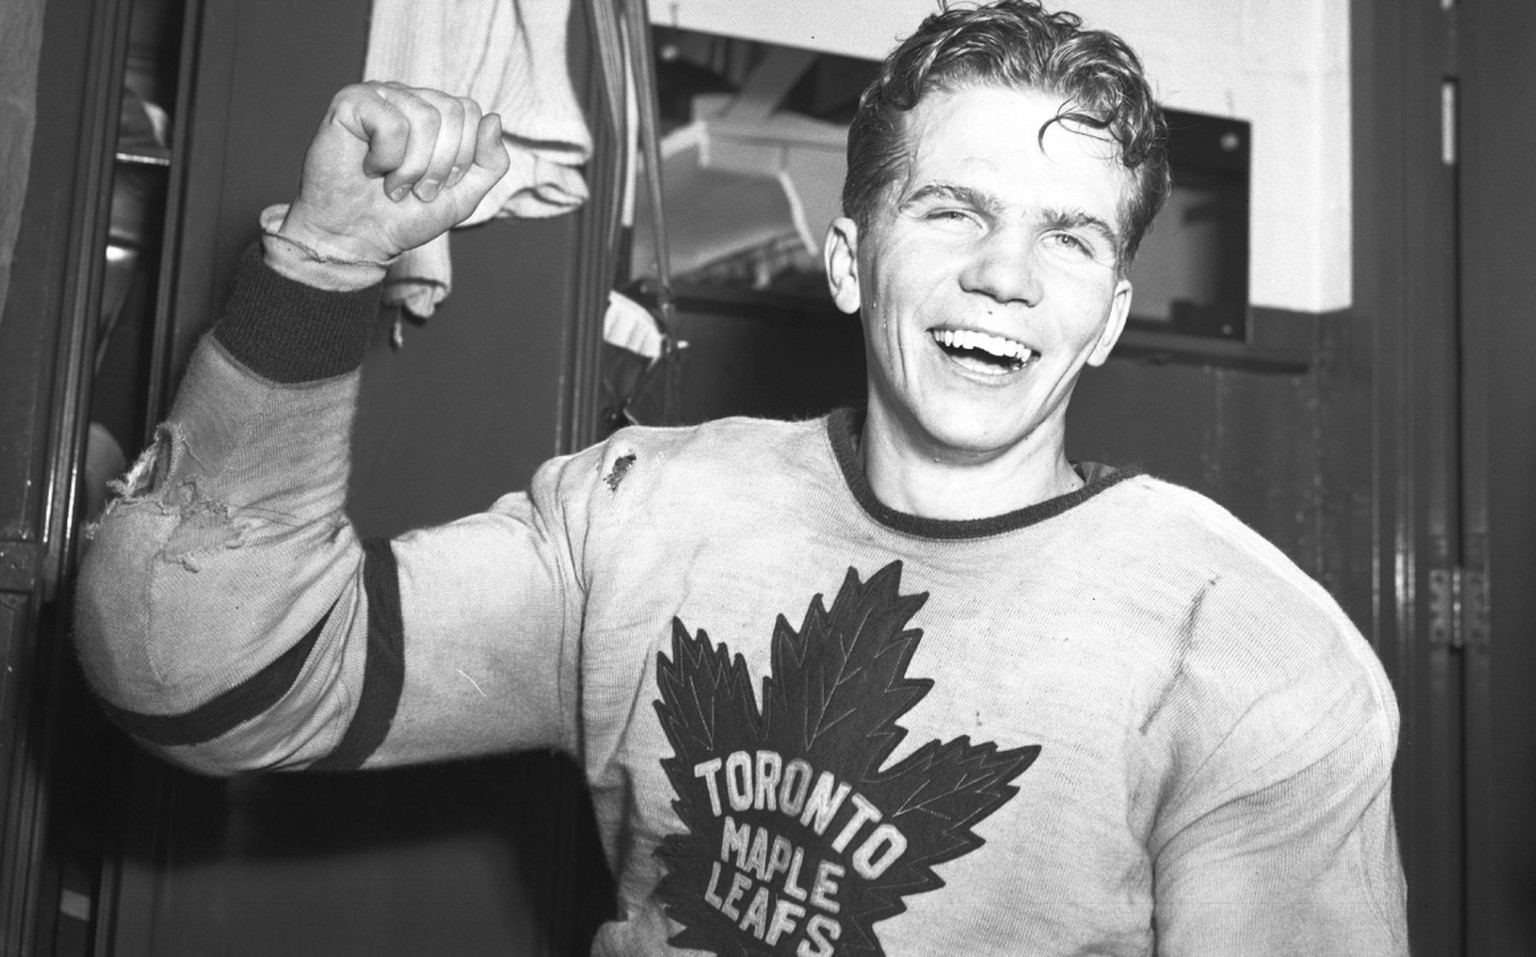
314, 258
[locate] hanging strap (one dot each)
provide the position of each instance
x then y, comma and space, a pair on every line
643, 59
613, 74
626, 61
610, 58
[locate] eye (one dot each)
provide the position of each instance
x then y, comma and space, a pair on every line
948, 215
1072, 242
1076, 247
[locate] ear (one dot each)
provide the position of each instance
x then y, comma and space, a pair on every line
840, 255
1119, 309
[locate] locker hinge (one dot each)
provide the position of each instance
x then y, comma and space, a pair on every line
1458, 608
20, 565
1474, 609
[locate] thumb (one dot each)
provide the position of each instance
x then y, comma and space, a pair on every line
491, 160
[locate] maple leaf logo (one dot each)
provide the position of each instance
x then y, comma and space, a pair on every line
798, 840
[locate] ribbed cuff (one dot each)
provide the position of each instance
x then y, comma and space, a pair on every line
290, 332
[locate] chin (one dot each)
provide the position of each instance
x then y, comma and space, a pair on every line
967, 439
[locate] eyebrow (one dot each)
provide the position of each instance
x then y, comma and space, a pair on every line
1080, 219
974, 198
986, 202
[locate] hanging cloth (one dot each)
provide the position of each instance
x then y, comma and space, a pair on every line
510, 57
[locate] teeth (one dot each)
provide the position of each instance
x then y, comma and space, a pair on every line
994, 345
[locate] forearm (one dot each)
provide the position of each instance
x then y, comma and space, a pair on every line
229, 550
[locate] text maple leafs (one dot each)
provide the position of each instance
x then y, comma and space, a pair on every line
797, 839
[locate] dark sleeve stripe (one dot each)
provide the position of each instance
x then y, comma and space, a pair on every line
290, 332
384, 670
231, 708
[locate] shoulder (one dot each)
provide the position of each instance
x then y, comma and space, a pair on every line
1151, 506
718, 441
1249, 613
1268, 674
1246, 605
1184, 532
718, 447
649, 466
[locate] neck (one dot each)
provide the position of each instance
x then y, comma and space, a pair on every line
958, 486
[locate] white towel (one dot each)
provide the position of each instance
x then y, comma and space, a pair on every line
509, 56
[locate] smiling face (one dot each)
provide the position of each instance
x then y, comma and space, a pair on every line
987, 279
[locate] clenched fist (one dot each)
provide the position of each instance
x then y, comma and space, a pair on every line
390, 168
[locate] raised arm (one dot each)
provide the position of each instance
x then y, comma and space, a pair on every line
227, 615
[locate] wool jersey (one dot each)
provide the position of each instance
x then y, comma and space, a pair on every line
1117, 722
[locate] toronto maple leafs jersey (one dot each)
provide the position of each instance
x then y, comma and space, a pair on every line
1114, 723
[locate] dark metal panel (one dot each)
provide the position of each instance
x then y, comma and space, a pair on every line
1245, 438
1498, 205
46, 338
261, 77
1402, 336
55, 280
22, 785
464, 411
599, 225
1156, 417
415, 861
178, 263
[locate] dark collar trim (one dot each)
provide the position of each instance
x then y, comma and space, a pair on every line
843, 428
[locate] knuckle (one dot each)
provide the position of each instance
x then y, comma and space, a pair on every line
353, 92
430, 122
471, 121
395, 122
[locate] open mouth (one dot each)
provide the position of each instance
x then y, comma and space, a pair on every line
982, 352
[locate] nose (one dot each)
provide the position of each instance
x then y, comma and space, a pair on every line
1003, 266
